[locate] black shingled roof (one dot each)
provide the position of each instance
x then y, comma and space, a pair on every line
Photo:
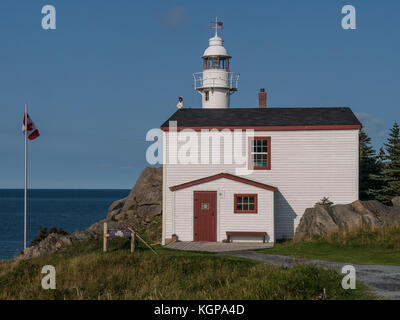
233, 117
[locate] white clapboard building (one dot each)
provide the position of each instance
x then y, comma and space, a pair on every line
248, 174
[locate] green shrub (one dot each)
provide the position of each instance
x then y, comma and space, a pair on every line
324, 202
43, 233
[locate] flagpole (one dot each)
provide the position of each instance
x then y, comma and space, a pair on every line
26, 171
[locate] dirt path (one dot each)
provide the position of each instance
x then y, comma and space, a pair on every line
384, 280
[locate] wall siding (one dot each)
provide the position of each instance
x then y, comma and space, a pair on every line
305, 166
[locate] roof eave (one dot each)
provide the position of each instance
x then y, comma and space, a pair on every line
220, 176
270, 128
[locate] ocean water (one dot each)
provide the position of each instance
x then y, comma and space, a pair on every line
67, 209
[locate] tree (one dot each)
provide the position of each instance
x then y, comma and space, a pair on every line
368, 166
40, 236
381, 159
389, 164
391, 172
377, 179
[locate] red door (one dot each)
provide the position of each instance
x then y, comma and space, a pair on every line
205, 216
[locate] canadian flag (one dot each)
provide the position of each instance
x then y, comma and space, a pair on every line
33, 132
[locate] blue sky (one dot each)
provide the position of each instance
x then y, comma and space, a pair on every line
112, 70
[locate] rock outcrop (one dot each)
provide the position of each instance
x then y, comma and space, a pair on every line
140, 207
322, 220
54, 242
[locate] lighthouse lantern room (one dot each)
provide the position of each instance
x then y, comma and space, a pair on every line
216, 83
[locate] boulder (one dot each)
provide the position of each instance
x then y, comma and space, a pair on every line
316, 221
396, 201
79, 235
322, 220
344, 217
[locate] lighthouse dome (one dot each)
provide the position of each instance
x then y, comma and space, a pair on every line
216, 48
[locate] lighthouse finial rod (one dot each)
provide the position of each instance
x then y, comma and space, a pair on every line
216, 25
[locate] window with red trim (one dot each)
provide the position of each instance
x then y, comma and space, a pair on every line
260, 153
245, 203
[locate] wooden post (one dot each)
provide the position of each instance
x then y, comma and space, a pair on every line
141, 239
105, 237
132, 241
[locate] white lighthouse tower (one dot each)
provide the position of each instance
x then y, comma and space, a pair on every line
216, 83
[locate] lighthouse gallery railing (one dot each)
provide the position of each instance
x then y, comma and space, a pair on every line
215, 79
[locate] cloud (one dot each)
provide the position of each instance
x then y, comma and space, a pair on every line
362, 115
369, 122
174, 17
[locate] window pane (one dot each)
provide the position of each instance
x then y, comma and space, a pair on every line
251, 206
205, 206
263, 160
239, 206
264, 146
255, 163
215, 63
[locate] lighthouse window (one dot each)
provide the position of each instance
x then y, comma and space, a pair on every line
215, 63
210, 63
222, 64
206, 95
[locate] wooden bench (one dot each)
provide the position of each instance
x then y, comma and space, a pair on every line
229, 234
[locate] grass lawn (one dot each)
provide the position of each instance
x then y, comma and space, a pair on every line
380, 245
83, 271
332, 252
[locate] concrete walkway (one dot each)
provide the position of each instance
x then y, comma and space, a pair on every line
384, 280
217, 247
